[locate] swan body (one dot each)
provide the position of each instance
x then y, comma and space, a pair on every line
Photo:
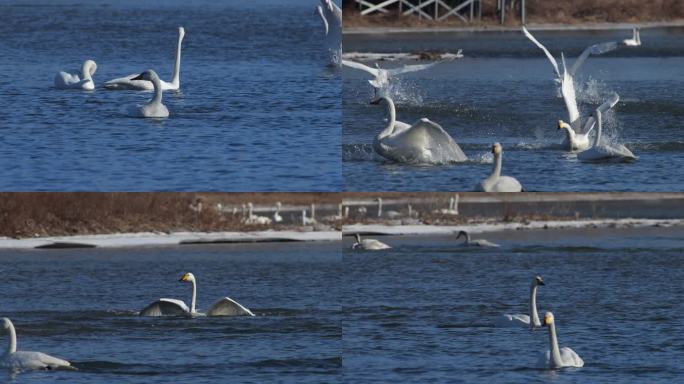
253, 219
576, 142
331, 15
556, 357
495, 182
635, 41
132, 82
518, 320
601, 151
369, 244
424, 142
276, 216
64, 80
153, 108
173, 307
24, 360
474, 242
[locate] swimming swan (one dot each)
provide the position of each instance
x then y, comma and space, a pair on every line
577, 142
635, 41
331, 15
153, 108
369, 244
420, 143
24, 360
520, 319
65, 80
134, 83
495, 182
173, 307
557, 357
602, 151
381, 77
474, 242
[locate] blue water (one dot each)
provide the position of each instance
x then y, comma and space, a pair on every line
424, 310
81, 305
257, 104
503, 91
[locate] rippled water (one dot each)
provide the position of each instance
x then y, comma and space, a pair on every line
81, 305
503, 90
424, 311
257, 104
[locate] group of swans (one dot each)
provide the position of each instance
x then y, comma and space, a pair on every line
577, 130
331, 15
555, 357
145, 81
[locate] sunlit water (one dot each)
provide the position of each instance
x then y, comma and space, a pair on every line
503, 91
424, 310
257, 104
82, 305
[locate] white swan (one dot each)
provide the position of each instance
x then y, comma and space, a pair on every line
24, 360
474, 242
520, 319
153, 108
635, 41
495, 182
331, 15
276, 216
134, 83
423, 142
602, 151
556, 357
381, 77
65, 80
369, 244
173, 307
577, 142
253, 219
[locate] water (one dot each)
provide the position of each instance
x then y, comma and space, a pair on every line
503, 91
81, 305
257, 104
423, 311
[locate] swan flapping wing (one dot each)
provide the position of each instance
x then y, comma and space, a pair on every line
608, 104
543, 48
589, 125
516, 320
412, 68
434, 138
166, 307
353, 64
228, 307
596, 49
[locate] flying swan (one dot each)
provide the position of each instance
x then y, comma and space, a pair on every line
557, 357
602, 151
24, 360
520, 319
474, 242
495, 182
134, 83
369, 244
424, 142
331, 15
65, 80
153, 108
173, 307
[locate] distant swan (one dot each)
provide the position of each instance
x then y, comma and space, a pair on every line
602, 151
24, 360
135, 83
369, 244
424, 142
65, 80
556, 357
495, 182
474, 242
635, 41
331, 15
173, 307
520, 319
153, 108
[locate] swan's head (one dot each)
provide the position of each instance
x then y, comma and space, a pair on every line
147, 75
548, 319
188, 277
563, 125
496, 149
538, 280
462, 233
90, 66
6, 323
181, 32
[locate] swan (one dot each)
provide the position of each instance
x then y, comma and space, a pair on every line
635, 41
474, 242
24, 360
369, 244
331, 15
520, 319
576, 142
276, 216
173, 307
422, 142
153, 108
602, 151
134, 83
381, 77
253, 219
495, 182
65, 80
556, 357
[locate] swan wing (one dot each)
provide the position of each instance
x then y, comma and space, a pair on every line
589, 125
325, 22
543, 48
373, 244
596, 49
570, 358
353, 64
507, 184
228, 307
166, 307
26, 360
487, 243
610, 103
433, 139
412, 68
509, 321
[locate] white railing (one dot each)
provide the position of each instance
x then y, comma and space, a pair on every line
429, 9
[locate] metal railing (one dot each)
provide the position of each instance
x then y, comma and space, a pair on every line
465, 10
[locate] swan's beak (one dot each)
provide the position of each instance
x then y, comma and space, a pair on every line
560, 125
185, 277
541, 283
375, 101
139, 77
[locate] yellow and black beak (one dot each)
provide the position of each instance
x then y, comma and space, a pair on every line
185, 277
560, 125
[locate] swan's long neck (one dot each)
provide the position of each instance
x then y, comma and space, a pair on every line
556, 360
599, 123
176, 67
496, 171
85, 72
194, 296
467, 237
392, 115
157, 90
534, 316
12, 345
569, 133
